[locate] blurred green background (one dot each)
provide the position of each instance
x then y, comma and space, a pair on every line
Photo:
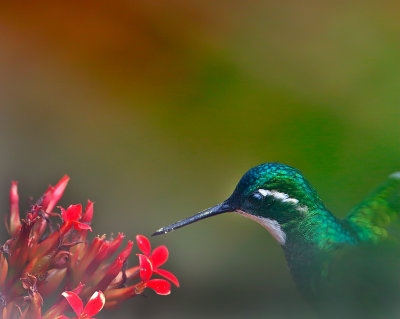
156, 108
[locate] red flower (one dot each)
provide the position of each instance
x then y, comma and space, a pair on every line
73, 215
157, 258
148, 265
160, 286
93, 306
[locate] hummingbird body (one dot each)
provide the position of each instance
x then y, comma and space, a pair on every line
328, 257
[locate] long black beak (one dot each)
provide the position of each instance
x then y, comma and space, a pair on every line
219, 209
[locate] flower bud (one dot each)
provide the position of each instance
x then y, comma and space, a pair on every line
54, 194
53, 281
88, 214
61, 259
3, 270
15, 223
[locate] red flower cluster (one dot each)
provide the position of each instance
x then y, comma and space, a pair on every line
41, 259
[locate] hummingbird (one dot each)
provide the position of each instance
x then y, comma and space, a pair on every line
344, 267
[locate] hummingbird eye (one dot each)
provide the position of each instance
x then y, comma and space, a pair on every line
258, 196
255, 197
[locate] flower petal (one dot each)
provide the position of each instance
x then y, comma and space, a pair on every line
160, 286
63, 213
82, 226
159, 256
167, 275
144, 244
74, 301
146, 268
95, 304
73, 213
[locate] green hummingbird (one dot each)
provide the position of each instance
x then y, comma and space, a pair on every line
344, 267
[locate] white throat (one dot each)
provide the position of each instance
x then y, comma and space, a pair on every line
273, 227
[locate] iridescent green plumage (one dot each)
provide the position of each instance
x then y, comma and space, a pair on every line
327, 256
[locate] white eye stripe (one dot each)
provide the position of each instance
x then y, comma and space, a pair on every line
282, 197
264, 192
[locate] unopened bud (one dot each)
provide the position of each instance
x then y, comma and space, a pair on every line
15, 223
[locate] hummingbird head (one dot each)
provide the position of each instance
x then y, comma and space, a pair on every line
272, 194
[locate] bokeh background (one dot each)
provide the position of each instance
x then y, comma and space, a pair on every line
156, 108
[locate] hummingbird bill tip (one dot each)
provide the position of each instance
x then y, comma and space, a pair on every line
160, 231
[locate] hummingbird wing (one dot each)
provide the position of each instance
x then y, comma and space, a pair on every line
376, 214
